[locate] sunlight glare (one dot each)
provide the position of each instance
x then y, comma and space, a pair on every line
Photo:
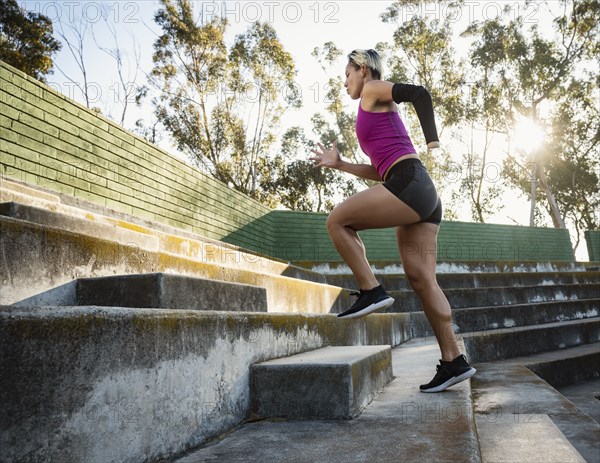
527, 135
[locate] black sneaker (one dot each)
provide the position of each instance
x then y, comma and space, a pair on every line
448, 374
368, 301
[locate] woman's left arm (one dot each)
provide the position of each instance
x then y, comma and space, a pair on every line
382, 91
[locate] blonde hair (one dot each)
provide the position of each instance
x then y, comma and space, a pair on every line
369, 58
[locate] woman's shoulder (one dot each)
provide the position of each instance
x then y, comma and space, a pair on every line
377, 87
377, 93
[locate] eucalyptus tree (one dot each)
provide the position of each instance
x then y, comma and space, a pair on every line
221, 105
421, 52
26, 40
343, 130
573, 155
298, 185
537, 77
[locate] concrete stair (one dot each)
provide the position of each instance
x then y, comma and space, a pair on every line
137, 233
504, 315
119, 346
49, 244
515, 417
568, 366
499, 317
394, 269
400, 424
114, 384
521, 417
484, 289
327, 383
485, 346
160, 290
485, 319
525, 333
491, 278
407, 301
584, 395
41, 264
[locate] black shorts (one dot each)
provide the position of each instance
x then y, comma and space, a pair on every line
410, 182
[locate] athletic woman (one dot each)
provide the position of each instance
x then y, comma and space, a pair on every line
406, 199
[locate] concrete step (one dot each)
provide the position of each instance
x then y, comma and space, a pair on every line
148, 237
10, 190
79, 225
164, 291
329, 383
592, 266
486, 346
585, 395
400, 425
534, 438
509, 316
395, 267
568, 366
520, 417
102, 384
396, 282
407, 301
39, 265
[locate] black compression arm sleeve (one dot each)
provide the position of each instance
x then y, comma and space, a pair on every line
421, 100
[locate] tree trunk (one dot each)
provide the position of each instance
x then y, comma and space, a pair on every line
556, 216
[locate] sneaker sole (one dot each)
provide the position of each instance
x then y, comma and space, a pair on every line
452, 381
371, 308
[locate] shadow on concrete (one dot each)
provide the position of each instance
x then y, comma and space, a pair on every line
63, 295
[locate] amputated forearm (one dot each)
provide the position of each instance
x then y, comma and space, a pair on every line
421, 100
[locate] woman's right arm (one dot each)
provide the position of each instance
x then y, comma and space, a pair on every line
366, 171
331, 158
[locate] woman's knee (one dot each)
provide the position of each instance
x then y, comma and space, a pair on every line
335, 220
331, 223
420, 280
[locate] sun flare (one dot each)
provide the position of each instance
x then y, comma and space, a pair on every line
527, 135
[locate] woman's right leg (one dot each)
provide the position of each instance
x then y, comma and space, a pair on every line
375, 207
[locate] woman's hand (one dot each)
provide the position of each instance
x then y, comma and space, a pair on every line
327, 157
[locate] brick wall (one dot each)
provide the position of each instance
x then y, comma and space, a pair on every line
302, 237
592, 239
50, 141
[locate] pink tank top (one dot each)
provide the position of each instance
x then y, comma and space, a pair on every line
383, 137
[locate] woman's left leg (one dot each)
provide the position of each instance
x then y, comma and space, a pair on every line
418, 249
375, 207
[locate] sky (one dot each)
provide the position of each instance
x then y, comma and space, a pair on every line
301, 26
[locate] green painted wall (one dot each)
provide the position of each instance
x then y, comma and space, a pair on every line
592, 239
48, 140
51, 141
302, 237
